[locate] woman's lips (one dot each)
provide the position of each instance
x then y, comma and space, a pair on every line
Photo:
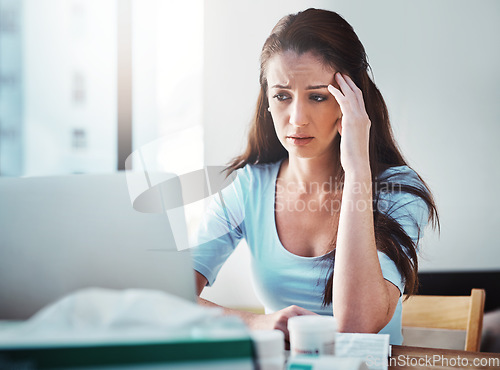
296, 140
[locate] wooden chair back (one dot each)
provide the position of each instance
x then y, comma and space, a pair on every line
448, 312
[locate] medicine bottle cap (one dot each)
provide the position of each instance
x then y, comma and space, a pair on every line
268, 343
312, 323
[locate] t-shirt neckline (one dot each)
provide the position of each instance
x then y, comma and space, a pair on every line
275, 228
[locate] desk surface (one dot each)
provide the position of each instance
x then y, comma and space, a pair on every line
404, 357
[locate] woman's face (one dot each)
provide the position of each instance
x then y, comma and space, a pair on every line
305, 114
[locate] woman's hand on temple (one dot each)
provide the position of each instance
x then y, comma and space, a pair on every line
355, 125
278, 320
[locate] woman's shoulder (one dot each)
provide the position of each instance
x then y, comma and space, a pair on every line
399, 196
260, 172
395, 198
401, 175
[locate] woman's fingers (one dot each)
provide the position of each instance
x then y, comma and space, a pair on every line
300, 311
344, 97
337, 94
355, 89
344, 86
282, 316
349, 93
341, 99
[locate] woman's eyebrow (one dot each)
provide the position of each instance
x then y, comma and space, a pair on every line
315, 87
278, 86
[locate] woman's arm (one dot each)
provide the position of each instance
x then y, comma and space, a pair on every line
363, 300
277, 320
201, 282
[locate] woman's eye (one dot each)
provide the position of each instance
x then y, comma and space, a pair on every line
281, 97
318, 98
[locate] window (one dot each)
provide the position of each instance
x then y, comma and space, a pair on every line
60, 71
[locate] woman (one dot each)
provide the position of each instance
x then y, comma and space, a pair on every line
329, 208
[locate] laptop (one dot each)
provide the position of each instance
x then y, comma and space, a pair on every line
63, 233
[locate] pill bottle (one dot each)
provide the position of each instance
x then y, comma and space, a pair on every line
269, 348
312, 335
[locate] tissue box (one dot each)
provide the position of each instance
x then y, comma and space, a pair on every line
230, 354
112, 329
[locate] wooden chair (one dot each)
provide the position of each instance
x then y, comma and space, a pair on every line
462, 314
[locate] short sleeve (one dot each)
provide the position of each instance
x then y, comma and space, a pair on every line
409, 210
390, 271
221, 229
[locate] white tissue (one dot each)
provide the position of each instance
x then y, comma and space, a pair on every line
373, 348
103, 315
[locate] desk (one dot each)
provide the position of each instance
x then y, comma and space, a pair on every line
404, 357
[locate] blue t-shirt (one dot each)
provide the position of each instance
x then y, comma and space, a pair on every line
246, 209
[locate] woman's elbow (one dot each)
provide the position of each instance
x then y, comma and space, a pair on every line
357, 322
358, 326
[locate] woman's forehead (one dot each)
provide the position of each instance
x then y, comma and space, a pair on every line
289, 68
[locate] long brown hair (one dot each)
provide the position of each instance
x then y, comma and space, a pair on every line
332, 39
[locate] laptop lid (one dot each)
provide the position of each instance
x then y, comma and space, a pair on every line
62, 233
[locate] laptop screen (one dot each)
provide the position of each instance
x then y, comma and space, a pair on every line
64, 233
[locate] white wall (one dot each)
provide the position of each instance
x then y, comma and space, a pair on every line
436, 64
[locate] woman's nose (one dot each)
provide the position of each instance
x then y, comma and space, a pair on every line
298, 114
